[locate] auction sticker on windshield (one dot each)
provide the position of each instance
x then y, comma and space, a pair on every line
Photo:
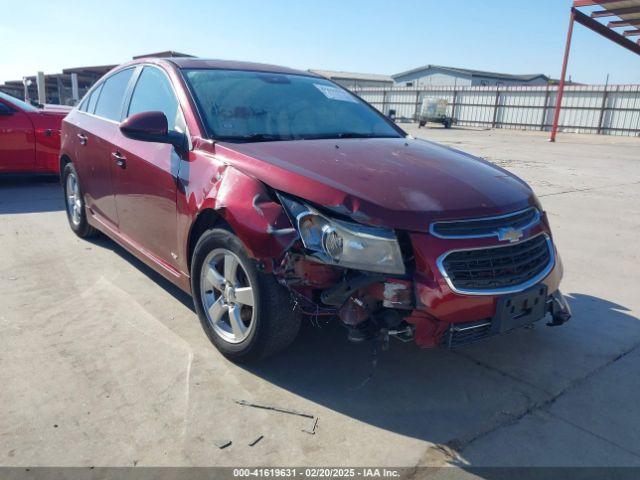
335, 93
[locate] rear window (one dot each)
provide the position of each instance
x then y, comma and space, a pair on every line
112, 95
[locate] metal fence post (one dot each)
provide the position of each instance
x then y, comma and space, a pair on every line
545, 107
605, 94
495, 108
565, 61
384, 101
453, 104
416, 112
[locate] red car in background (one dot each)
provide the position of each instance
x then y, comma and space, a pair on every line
267, 193
29, 136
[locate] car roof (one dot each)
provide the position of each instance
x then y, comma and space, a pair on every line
203, 63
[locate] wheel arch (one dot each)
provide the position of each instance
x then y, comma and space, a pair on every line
206, 219
64, 159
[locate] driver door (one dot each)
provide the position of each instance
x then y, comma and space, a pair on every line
145, 173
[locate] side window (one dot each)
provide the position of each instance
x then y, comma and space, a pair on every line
112, 94
153, 92
93, 99
83, 104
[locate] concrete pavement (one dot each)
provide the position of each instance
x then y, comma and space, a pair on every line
104, 363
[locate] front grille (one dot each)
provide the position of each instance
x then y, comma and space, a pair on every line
486, 227
498, 267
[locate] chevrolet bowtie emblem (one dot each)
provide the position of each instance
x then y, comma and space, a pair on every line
509, 234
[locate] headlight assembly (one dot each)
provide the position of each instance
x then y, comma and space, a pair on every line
346, 244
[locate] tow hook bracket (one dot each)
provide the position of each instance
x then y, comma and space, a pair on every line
560, 310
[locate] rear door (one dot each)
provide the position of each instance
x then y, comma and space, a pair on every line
95, 131
17, 141
145, 179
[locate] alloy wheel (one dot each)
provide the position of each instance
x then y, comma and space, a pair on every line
74, 200
227, 295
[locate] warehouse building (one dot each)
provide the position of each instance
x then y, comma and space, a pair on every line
435, 75
68, 87
356, 80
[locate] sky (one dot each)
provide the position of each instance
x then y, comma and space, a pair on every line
369, 36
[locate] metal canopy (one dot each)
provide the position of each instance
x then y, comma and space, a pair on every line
623, 15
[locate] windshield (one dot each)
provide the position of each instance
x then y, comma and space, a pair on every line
248, 106
18, 103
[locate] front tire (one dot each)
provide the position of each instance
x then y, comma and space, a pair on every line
245, 313
74, 203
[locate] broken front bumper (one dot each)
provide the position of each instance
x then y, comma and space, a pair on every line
470, 332
444, 316
425, 304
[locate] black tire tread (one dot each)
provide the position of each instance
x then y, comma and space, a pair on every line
84, 230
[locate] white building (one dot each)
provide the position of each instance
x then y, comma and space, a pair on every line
353, 80
435, 75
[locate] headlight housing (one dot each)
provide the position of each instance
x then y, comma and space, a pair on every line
345, 244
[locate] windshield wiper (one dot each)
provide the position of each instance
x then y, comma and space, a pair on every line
259, 137
353, 135
268, 137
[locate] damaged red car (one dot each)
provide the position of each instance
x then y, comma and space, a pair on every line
271, 194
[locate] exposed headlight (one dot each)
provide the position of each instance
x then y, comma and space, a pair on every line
346, 244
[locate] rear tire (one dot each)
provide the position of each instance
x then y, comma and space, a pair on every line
245, 313
74, 203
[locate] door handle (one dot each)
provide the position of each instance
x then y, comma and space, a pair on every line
121, 160
83, 138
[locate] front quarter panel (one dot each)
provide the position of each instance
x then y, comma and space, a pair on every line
244, 203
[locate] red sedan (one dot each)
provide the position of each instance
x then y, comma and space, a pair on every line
269, 194
29, 136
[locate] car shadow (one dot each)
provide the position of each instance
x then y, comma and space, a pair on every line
30, 194
435, 395
105, 242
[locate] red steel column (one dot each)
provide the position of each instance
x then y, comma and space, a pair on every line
567, 49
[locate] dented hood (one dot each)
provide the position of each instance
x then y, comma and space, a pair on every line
400, 183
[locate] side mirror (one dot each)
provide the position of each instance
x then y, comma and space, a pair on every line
5, 110
151, 127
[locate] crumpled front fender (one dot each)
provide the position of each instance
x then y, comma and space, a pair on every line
252, 212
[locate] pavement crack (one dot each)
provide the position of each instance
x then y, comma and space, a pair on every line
511, 418
502, 373
600, 437
589, 189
